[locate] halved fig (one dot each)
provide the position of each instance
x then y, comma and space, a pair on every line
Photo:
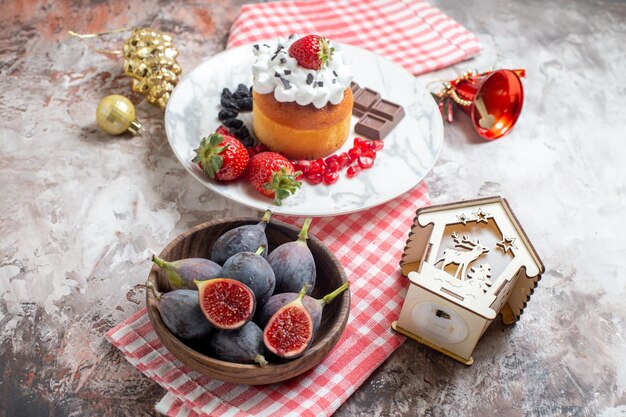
227, 304
313, 306
289, 332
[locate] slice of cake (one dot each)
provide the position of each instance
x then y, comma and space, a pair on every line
302, 97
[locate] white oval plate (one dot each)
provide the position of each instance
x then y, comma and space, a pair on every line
411, 148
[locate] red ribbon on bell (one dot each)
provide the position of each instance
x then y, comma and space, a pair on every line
493, 100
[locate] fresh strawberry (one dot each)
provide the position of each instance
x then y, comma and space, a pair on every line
311, 51
273, 176
222, 130
221, 157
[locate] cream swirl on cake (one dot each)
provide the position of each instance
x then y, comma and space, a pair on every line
275, 71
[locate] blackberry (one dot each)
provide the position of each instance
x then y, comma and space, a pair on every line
241, 88
245, 104
238, 96
244, 136
229, 103
232, 124
226, 93
226, 114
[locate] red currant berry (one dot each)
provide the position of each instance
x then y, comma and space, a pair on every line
301, 165
378, 145
369, 154
365, 162
330, 178
365, 146
354, 153
357, 142
352, 171
344, 160
314, 178
315, 168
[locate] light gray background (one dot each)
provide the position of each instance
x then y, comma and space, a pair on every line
80, 211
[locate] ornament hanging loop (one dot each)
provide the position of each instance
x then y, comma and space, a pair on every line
84, 36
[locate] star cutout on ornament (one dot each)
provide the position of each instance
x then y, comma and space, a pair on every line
463, 218
507, 243
481, 216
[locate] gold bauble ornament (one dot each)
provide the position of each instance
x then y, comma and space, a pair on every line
116, 115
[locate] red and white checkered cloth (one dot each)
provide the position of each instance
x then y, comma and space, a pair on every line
412, 33
369, 244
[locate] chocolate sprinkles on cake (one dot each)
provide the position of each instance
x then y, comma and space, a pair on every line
309, 79
286, 83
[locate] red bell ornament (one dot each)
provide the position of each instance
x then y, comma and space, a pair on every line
493, 100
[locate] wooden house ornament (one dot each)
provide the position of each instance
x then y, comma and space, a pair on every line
466, 262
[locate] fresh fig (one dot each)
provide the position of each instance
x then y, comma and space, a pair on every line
182, 273
254, 271
289, 332
313, 306
241, 239
293, 263
242, 346
181, 313
226, 303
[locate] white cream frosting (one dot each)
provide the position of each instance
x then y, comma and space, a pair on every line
275, 71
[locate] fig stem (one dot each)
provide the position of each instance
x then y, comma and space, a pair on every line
303, 235
161, 262
330, 297
266, 216
302, 292
260, 250
260, 359
151, 288
172, 276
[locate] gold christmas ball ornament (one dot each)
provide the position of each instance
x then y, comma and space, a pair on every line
116, 114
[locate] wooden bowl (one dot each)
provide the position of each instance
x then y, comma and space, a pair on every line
197, 243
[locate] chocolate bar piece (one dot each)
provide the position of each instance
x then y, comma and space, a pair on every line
388, 110
354, 87
373, 127
364, 99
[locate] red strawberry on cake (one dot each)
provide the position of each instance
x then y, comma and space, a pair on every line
302, 97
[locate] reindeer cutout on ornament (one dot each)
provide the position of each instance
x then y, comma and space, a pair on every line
462, 258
